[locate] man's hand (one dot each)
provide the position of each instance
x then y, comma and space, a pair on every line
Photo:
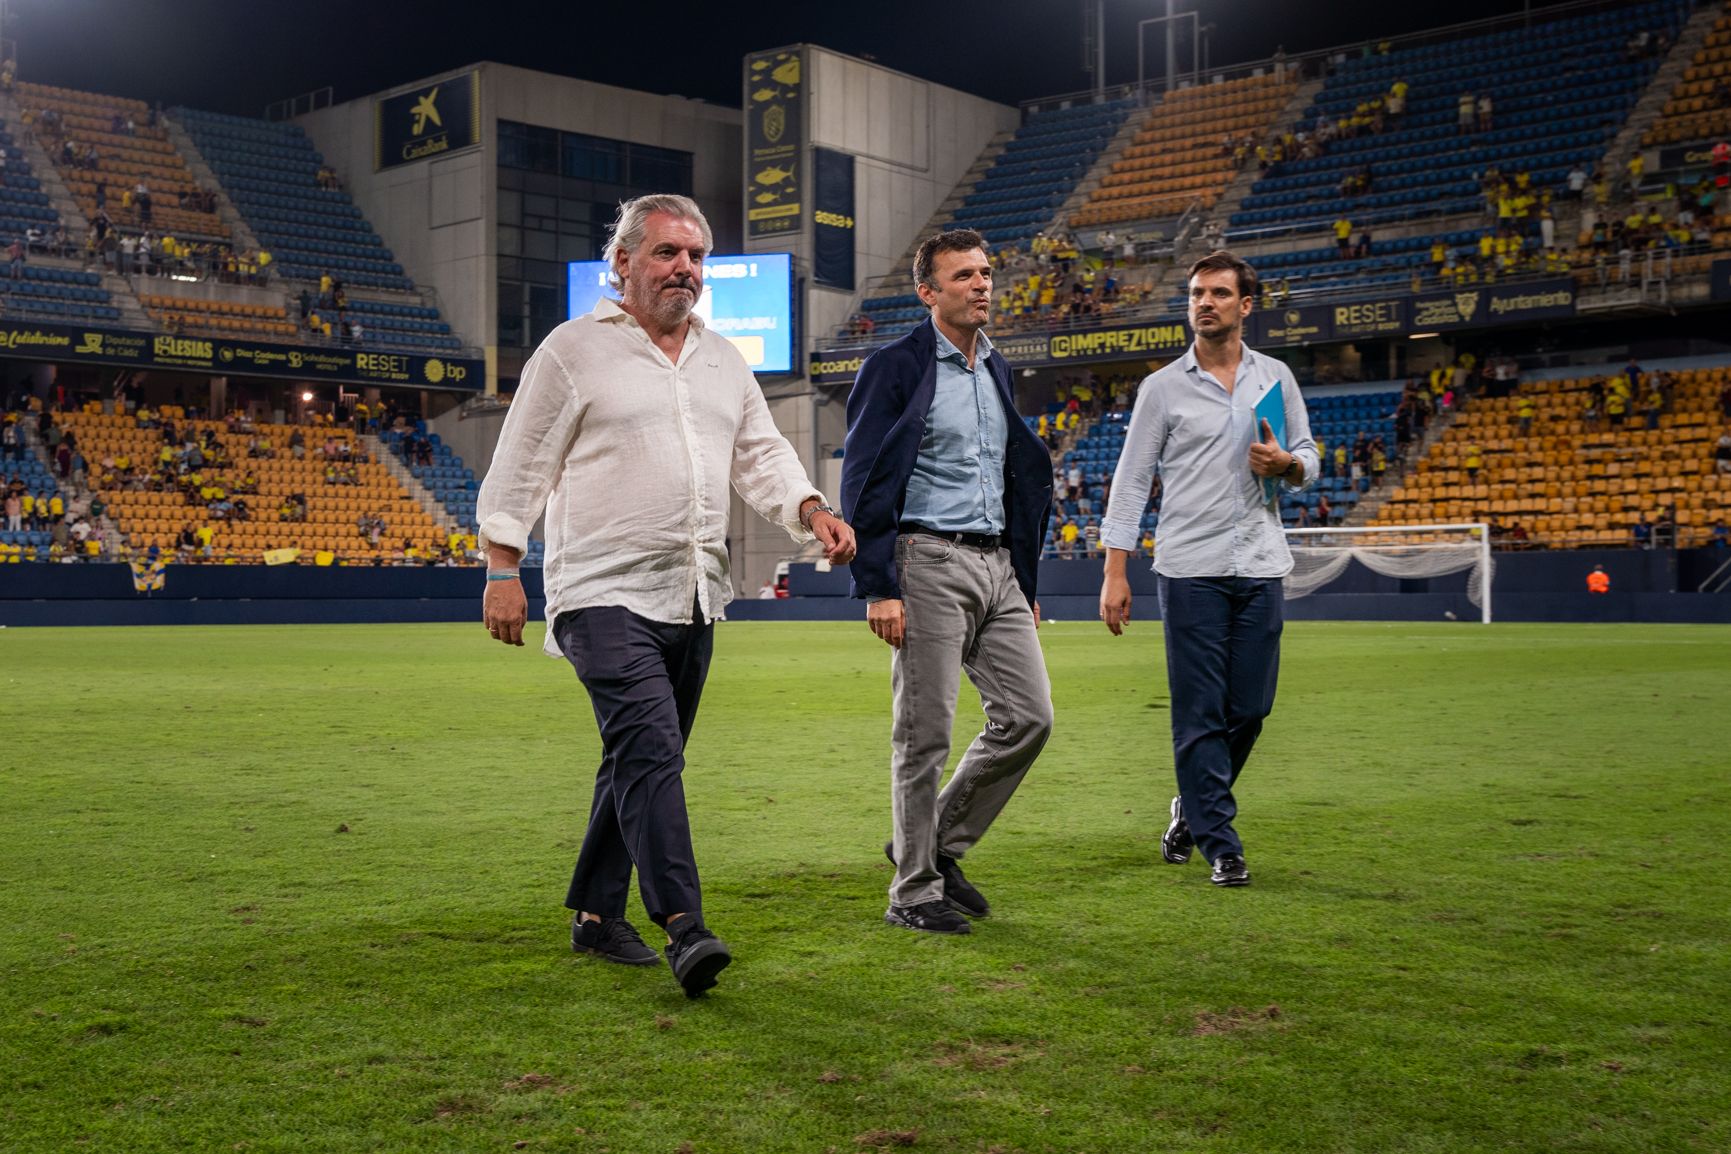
504, 609
1036, 616
1115, 602
1115, 591
835, 535
888, 621
1267, 458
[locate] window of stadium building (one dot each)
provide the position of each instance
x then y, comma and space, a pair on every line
558, 192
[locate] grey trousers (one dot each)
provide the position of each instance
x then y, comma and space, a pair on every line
964, 611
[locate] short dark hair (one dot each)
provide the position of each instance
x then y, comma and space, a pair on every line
952, 240
1223, 261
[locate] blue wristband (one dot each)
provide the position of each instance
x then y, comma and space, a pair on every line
503, 575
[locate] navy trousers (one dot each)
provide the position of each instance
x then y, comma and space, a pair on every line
1222, 662
644, 679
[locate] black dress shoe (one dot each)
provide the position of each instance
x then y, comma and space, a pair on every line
1176, 843
695, 956
1230, 870
930, 917
614, 939
960, 894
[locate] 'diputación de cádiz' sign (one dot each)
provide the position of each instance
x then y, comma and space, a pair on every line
432, 120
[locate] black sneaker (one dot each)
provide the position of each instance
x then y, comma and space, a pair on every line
614, 939
695, 956
959, 893
1176, 843
931, 917
1230, 870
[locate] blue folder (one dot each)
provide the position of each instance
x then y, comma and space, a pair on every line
1271, 408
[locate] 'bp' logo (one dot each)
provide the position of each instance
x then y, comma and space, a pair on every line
435, 370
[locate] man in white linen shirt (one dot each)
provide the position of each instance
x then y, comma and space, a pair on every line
1220, 552
628, 427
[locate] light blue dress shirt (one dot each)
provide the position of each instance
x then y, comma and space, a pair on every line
958, 480
1213, 521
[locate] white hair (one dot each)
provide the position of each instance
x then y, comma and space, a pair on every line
629, 226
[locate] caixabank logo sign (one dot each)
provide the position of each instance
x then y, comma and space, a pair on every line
433, 120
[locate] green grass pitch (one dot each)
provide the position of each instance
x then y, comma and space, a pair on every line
299, 889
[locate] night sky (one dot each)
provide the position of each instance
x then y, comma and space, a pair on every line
238, 56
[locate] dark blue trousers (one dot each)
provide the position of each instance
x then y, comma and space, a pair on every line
1222, 662
644, 679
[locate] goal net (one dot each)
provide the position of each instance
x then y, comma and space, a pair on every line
1319, 556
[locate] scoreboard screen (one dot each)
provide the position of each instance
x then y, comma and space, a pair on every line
747, 299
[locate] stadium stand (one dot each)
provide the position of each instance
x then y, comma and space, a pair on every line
1700, 106
60, 295
451, 483
1572, 481
154, 516
1038, 170
1542, 121
23, 204
131, 149
37, 479
1178, 157
272, 174
220, 317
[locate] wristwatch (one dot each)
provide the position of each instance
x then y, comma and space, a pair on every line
805, 518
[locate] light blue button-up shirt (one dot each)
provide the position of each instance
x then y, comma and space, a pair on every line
958, 478
1213, 520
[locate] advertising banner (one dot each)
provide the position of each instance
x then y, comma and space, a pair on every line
441, 118
832, 223
238, 357
774, 139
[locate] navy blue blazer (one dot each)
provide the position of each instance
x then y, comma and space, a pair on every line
886, 418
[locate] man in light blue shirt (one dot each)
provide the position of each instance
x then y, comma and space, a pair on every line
949, 491
1220, 551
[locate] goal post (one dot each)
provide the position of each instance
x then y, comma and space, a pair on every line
1406, 551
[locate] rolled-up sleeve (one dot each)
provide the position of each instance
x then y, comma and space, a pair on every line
1144, 440
766, 471
533, 444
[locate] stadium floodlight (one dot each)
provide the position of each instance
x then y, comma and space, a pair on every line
1404, 551
307, 396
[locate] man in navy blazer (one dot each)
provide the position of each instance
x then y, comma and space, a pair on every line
948, 492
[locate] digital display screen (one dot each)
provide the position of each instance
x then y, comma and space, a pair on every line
747, 299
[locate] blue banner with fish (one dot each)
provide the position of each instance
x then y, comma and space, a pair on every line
774, 143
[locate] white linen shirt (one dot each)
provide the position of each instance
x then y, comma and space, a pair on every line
631, 456
1213, 521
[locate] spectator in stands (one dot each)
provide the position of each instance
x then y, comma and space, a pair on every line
1665, 528
14, 509
1484, 109
1472, 460
1641, 534
11, 439
1725, 401
1343, 237
1525, 410
1068, 535
15, 255
1468, 112
1722, 455
1721, 536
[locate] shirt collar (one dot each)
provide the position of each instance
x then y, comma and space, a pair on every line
1191, 365
607, 309
947, 350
